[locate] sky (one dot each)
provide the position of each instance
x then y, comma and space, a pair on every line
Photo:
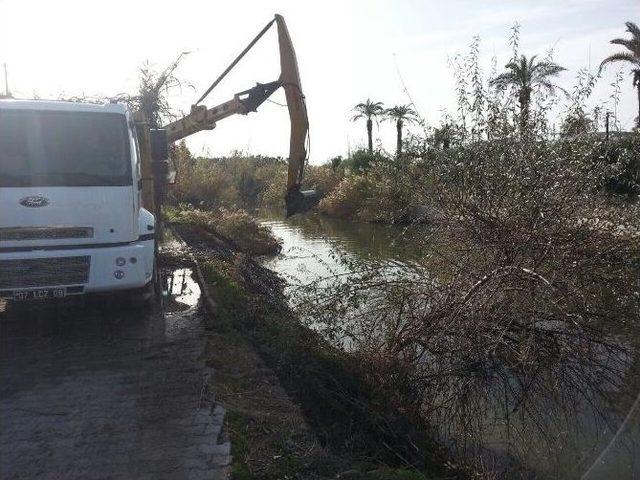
348, 51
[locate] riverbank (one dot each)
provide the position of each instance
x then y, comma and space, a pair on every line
297, 406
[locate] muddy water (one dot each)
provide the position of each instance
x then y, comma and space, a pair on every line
314, 247
181, 289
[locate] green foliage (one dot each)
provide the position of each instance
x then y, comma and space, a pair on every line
336, 163
368, 110
237, 181
531, 273
575, 124
348, 412
322, 178
401, 115
526, 76
386, 192
241, 181
623, 154
631, 57
362, 160
578, 121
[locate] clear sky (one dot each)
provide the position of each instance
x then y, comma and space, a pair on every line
347, 51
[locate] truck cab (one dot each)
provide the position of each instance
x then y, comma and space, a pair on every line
71, 218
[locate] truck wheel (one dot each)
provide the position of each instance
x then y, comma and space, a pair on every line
146, 296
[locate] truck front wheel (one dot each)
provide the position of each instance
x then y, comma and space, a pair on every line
147, 296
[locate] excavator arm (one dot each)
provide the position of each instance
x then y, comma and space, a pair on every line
203, 118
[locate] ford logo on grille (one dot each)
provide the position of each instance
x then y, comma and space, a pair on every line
34, 201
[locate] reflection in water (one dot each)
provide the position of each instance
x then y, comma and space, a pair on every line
180, 287
315, 247
80, 315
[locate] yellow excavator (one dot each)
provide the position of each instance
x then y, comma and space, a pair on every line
204, 118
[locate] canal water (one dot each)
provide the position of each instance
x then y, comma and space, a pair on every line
315, 247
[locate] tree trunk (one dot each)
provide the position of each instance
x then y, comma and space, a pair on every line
524, 97
370, 134
399, 138
524, 116
638, 119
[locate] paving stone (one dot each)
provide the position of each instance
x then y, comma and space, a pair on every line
119, 395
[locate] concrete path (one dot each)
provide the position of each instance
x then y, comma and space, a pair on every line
95, 392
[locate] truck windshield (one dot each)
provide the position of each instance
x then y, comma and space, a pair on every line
52, 148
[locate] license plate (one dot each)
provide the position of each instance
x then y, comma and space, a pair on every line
40, 294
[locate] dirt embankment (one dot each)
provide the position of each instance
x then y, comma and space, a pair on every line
298, 408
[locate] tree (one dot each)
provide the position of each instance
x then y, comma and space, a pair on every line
632, 57
526, 74
336, 163
400, 114
368, 110
443, 136
576, 123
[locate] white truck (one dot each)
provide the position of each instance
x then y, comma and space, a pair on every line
71, 220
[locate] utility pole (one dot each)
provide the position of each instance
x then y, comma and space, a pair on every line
606, 125
7, 93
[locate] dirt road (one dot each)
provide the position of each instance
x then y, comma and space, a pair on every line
97, 392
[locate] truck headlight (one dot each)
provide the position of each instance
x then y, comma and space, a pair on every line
120, 261
119, 274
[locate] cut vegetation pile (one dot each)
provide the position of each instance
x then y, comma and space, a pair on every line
236, 226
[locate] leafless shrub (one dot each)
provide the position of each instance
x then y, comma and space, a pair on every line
154, 88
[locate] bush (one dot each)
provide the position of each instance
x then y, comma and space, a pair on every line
239, 181
361, 161
234, 182
386, 193
624, 153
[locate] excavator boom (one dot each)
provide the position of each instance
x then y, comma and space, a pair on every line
203, 118
295, 199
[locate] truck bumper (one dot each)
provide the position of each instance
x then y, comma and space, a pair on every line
104, 272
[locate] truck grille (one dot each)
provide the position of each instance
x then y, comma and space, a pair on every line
44, 272
44, 233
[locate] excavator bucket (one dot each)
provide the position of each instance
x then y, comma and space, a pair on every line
297, 201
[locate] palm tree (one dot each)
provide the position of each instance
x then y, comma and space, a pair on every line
632, 57
400, 114
368, 110
526, 74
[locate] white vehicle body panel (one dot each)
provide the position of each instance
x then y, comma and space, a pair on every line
108, 211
